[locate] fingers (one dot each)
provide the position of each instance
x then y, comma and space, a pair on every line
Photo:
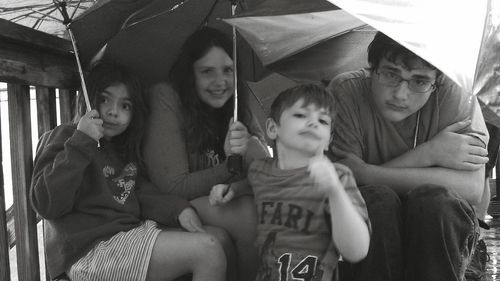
190, 221
455, 127
218, 195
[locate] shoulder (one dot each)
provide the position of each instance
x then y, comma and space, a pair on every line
259, 165
59, 133
163, 91
357, 77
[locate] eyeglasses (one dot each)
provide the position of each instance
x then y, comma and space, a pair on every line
392, 79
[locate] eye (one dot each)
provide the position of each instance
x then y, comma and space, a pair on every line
299, 115
127, 106
228, 70
421, 83
103, 99
392, 75
324, 122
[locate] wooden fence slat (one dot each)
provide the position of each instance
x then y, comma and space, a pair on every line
67, 105
22, 166
4, 243
46, 109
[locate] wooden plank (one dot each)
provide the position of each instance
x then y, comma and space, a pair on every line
22, 166
46, 109
4, 243
33, 66
67, 105
28, 36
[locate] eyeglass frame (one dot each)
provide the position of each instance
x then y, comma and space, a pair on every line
379, 73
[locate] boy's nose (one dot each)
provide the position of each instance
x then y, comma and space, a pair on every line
113, 110
312, 122
402, 91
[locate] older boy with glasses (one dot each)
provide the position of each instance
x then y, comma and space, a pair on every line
418, 154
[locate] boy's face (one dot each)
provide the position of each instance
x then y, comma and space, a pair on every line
303, 130
396, 103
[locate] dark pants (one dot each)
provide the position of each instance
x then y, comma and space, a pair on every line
427, 235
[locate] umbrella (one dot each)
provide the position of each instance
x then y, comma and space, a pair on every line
305, 40
150, 38
467, 51
43, 15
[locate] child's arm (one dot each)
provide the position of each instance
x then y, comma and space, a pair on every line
224, 193
157, 206
350, 232
59, 170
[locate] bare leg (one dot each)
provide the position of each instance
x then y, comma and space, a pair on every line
239, 218
176, 253
228, 246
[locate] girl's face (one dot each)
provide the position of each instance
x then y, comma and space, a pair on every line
214, 77
115, 109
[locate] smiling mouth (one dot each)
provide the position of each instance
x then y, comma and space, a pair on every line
217, 92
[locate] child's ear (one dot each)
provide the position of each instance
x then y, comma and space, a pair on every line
271, 129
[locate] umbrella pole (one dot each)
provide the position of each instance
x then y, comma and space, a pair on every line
235, 161
80, 71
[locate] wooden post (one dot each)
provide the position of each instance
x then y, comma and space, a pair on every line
22, 166
67, 105
4, 242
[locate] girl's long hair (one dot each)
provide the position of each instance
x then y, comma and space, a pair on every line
102, 76
206, 127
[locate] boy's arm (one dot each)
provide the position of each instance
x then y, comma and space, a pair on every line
350, 231
59, 170
468, 184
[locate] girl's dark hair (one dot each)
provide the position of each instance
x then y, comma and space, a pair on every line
311, 93
383, 46
205, 127
102, 76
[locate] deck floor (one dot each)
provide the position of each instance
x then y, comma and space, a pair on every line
492, 239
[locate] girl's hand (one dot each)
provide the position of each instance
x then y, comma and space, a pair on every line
220, 194
91, 125
190, 221
236, 138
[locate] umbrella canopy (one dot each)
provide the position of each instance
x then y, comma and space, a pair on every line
311, 40
465, 50
43, 15
149, 40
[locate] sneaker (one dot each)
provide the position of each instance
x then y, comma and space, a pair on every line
476, 271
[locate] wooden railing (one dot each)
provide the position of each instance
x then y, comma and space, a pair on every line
29, 59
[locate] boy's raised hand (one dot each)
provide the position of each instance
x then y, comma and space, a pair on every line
323, 173
220, 194
190, 221
91, 125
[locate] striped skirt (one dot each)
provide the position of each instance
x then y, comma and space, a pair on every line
123, 257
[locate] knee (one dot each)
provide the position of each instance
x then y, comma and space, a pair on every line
380, 200
210, 250
221, 235
438, 202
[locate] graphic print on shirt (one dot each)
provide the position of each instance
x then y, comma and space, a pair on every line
123, 183
212, 158
307, 269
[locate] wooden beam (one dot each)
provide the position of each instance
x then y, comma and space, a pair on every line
22, 167
25, 65
67, 105
28, 36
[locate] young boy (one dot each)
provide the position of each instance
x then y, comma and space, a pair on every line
309, 210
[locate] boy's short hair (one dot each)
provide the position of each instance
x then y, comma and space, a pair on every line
383, 46
310, 93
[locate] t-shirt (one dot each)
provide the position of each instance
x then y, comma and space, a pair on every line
294, 227
360, 129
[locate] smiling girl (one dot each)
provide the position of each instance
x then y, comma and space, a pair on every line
102, 217
190, 136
